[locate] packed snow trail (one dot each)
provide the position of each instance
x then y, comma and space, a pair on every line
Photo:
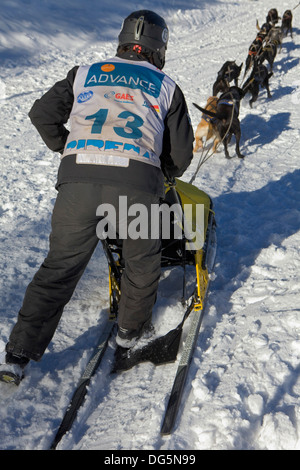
243, 388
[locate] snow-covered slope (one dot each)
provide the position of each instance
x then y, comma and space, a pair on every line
243, 389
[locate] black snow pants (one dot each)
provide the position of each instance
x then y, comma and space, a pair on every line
73, 240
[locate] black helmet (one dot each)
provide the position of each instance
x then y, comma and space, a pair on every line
148, 30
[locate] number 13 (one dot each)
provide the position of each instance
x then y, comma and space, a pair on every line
134, 132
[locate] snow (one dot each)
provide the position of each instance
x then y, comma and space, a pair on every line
243, 387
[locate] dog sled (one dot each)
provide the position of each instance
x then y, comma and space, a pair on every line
177, 252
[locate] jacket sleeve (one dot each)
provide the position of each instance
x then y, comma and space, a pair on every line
178, 138
49, 113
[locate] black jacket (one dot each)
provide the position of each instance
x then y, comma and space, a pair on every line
51, 112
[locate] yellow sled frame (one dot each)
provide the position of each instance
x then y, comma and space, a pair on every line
188, 194
202, 281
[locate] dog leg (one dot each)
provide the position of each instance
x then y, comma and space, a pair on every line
200, 133
225, 143
198, 144
239, 154
237, 144
226, 151
209, 134
266, 85
270, 61
216, 143
255, 92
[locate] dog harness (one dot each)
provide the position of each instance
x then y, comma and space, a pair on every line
208, 118
229, 103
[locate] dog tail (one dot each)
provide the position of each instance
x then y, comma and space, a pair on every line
205, 111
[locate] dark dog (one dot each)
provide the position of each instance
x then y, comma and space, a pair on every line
227, 118
254, 50
268, 53
286, 24
259, 78
272, 16
264, 29
230, 71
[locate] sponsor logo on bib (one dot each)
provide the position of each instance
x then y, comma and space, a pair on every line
125, 75
120, 97
85, 96
108, 67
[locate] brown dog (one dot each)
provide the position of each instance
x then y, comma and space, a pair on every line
205, 127
227, 118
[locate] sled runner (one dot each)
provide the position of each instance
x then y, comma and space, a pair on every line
176, 251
